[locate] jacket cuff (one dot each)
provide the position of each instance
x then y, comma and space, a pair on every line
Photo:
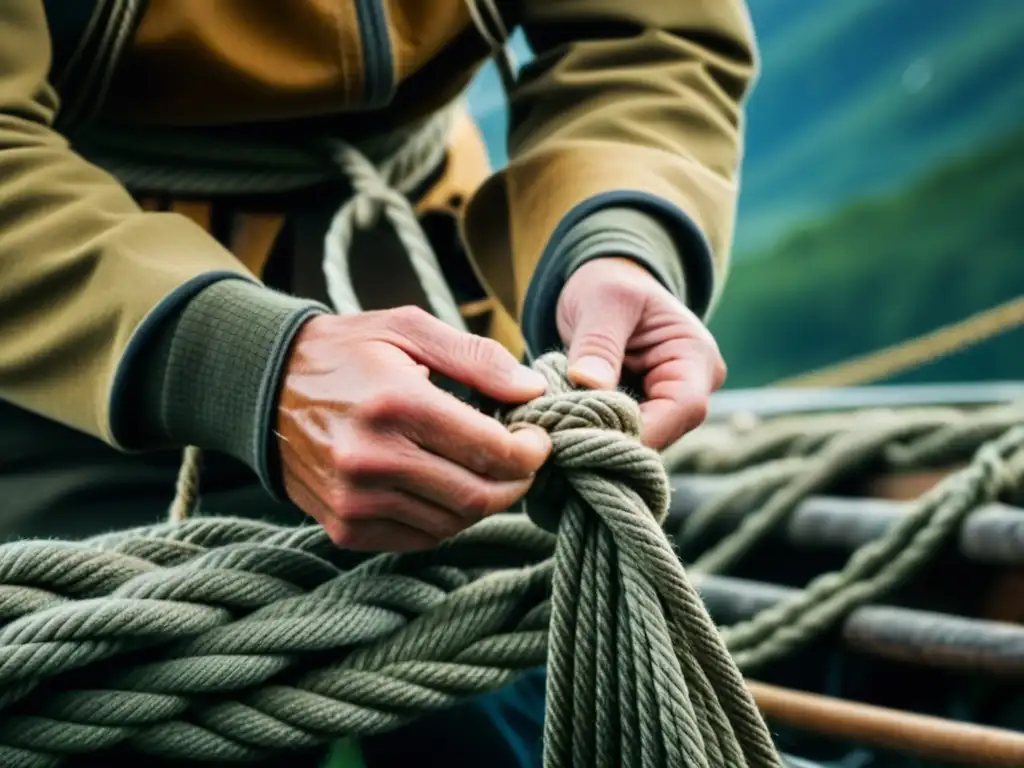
629, 233
212, 375
659, 237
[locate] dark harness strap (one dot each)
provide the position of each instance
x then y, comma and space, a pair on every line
88, 37
68, 21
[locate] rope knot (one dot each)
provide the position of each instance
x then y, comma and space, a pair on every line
595, 437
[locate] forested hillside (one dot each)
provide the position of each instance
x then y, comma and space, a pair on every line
884, 270
858, 97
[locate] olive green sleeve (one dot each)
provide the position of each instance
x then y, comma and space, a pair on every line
211, 373
626, 105
85, 274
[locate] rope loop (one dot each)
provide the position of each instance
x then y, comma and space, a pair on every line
594, 434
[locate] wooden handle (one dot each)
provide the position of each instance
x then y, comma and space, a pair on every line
908, 733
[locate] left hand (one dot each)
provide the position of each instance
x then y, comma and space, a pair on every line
614, 314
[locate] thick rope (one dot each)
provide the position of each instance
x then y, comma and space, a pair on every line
186, 489
229, 640
384, 192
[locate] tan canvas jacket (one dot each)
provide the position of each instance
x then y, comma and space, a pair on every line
629, 102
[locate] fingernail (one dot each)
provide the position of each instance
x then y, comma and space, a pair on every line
535, 439
593, 372
527, 378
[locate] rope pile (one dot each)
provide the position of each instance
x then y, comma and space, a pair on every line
231, 640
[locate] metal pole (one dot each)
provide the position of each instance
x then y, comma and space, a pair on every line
901, 634
994, 534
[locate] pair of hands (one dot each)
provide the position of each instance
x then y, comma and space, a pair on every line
385, 460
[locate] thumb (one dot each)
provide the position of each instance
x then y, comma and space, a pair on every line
598, 344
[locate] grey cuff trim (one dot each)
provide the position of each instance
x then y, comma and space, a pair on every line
630, 233
662, 223
220, 376
128, 426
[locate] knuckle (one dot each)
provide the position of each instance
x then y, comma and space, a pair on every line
479, 501
501, 457
444, 526
483, 352
402, 319
342, 534
695, 414
707, 346
342, 457
339, 501
355, 463
721, 371
706, 339
385, 407
600, 341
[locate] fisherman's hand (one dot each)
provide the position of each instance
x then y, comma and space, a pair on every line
382, 458
614, 314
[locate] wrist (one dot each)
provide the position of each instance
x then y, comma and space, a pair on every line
616, 232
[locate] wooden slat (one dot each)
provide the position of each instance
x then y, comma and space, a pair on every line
253, 237
908, 733
199, 212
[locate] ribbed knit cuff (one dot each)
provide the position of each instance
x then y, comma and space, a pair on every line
629, 233
213, 377
617, 230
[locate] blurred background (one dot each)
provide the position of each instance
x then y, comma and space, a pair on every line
882, 189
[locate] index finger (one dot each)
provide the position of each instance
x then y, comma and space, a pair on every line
444, 425
477, 362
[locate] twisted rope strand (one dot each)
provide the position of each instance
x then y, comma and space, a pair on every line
881, 565
233, 641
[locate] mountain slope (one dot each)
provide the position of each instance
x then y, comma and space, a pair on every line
857, 97
884, 270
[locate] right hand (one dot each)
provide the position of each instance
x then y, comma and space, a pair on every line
382, 458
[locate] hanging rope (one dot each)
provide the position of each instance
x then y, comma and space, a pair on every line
383, 191
885, 363
218, 639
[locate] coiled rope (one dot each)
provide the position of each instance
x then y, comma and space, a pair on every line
230, 640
